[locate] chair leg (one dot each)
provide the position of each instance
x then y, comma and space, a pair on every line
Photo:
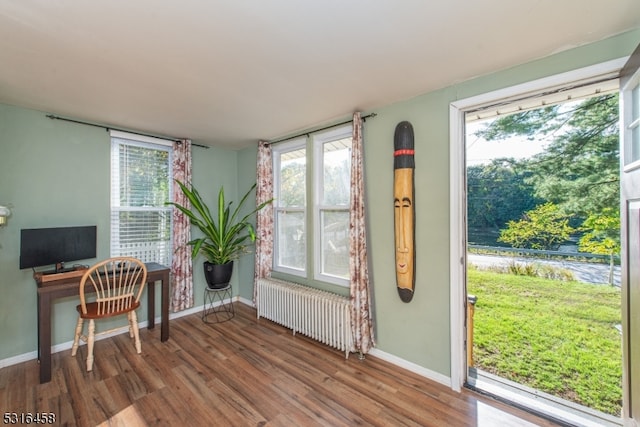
130, 324
76, 338
136, 332
90, 342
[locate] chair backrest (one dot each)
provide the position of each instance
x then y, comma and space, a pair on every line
117, 282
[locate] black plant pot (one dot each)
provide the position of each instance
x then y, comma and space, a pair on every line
218, 276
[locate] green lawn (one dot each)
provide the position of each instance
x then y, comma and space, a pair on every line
558, 337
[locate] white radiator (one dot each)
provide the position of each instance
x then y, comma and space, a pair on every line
323, 316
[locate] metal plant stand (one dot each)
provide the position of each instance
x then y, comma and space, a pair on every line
218, 304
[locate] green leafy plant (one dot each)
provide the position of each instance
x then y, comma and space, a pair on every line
544, 227
602, 236
226, 237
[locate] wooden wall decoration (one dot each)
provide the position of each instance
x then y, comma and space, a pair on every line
404, 210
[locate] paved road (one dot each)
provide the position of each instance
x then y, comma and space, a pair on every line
582, 271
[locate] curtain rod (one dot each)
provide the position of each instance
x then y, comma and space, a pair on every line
108, 128
364, 118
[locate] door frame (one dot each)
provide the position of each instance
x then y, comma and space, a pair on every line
457, 189
629, 184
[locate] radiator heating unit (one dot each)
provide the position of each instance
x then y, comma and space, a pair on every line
321, 315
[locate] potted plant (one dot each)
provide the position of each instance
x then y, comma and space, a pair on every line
224, 238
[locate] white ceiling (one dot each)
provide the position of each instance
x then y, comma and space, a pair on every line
228, 73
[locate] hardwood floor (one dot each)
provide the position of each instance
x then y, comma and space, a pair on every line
240, 373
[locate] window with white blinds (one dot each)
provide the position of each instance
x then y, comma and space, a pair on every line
140, 187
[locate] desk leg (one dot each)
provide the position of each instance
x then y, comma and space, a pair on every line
164, 309
151, 305
39, 327
164, 329
44, 337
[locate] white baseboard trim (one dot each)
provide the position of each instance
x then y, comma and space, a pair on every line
18, 359
25, 357
410, 366
182, 313
246, 302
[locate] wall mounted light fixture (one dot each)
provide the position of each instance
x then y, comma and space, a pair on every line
4, 214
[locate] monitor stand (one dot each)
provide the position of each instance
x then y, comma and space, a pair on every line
60, 268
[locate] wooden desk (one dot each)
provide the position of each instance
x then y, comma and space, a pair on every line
52, 290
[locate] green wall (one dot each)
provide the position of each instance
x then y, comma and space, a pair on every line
54, 173
418, 332
246, 178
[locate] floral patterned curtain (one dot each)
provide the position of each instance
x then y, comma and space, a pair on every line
264, 217
361, 313
181, 263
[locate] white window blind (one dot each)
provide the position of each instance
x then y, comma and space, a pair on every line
140, 187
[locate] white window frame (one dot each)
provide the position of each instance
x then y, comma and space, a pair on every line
318, 192
313, 146
277, 152
140, 141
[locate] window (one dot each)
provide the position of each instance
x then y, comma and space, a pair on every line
290, 183
322, 233
140, 187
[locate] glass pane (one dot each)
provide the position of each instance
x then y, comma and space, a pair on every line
337, 172
293, 171
143, 176
335, 243
140, 187
291, 240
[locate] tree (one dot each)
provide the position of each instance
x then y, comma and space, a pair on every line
602, 237
336, 183
293, 187
544, 227
497, 193
579, 169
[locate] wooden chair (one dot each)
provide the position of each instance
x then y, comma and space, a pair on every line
118, 284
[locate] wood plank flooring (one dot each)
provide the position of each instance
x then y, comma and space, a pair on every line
242, 372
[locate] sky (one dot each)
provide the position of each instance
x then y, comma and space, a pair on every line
480, 151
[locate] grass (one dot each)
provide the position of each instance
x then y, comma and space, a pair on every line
555, 336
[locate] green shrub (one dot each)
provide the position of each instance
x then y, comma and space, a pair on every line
533, 270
